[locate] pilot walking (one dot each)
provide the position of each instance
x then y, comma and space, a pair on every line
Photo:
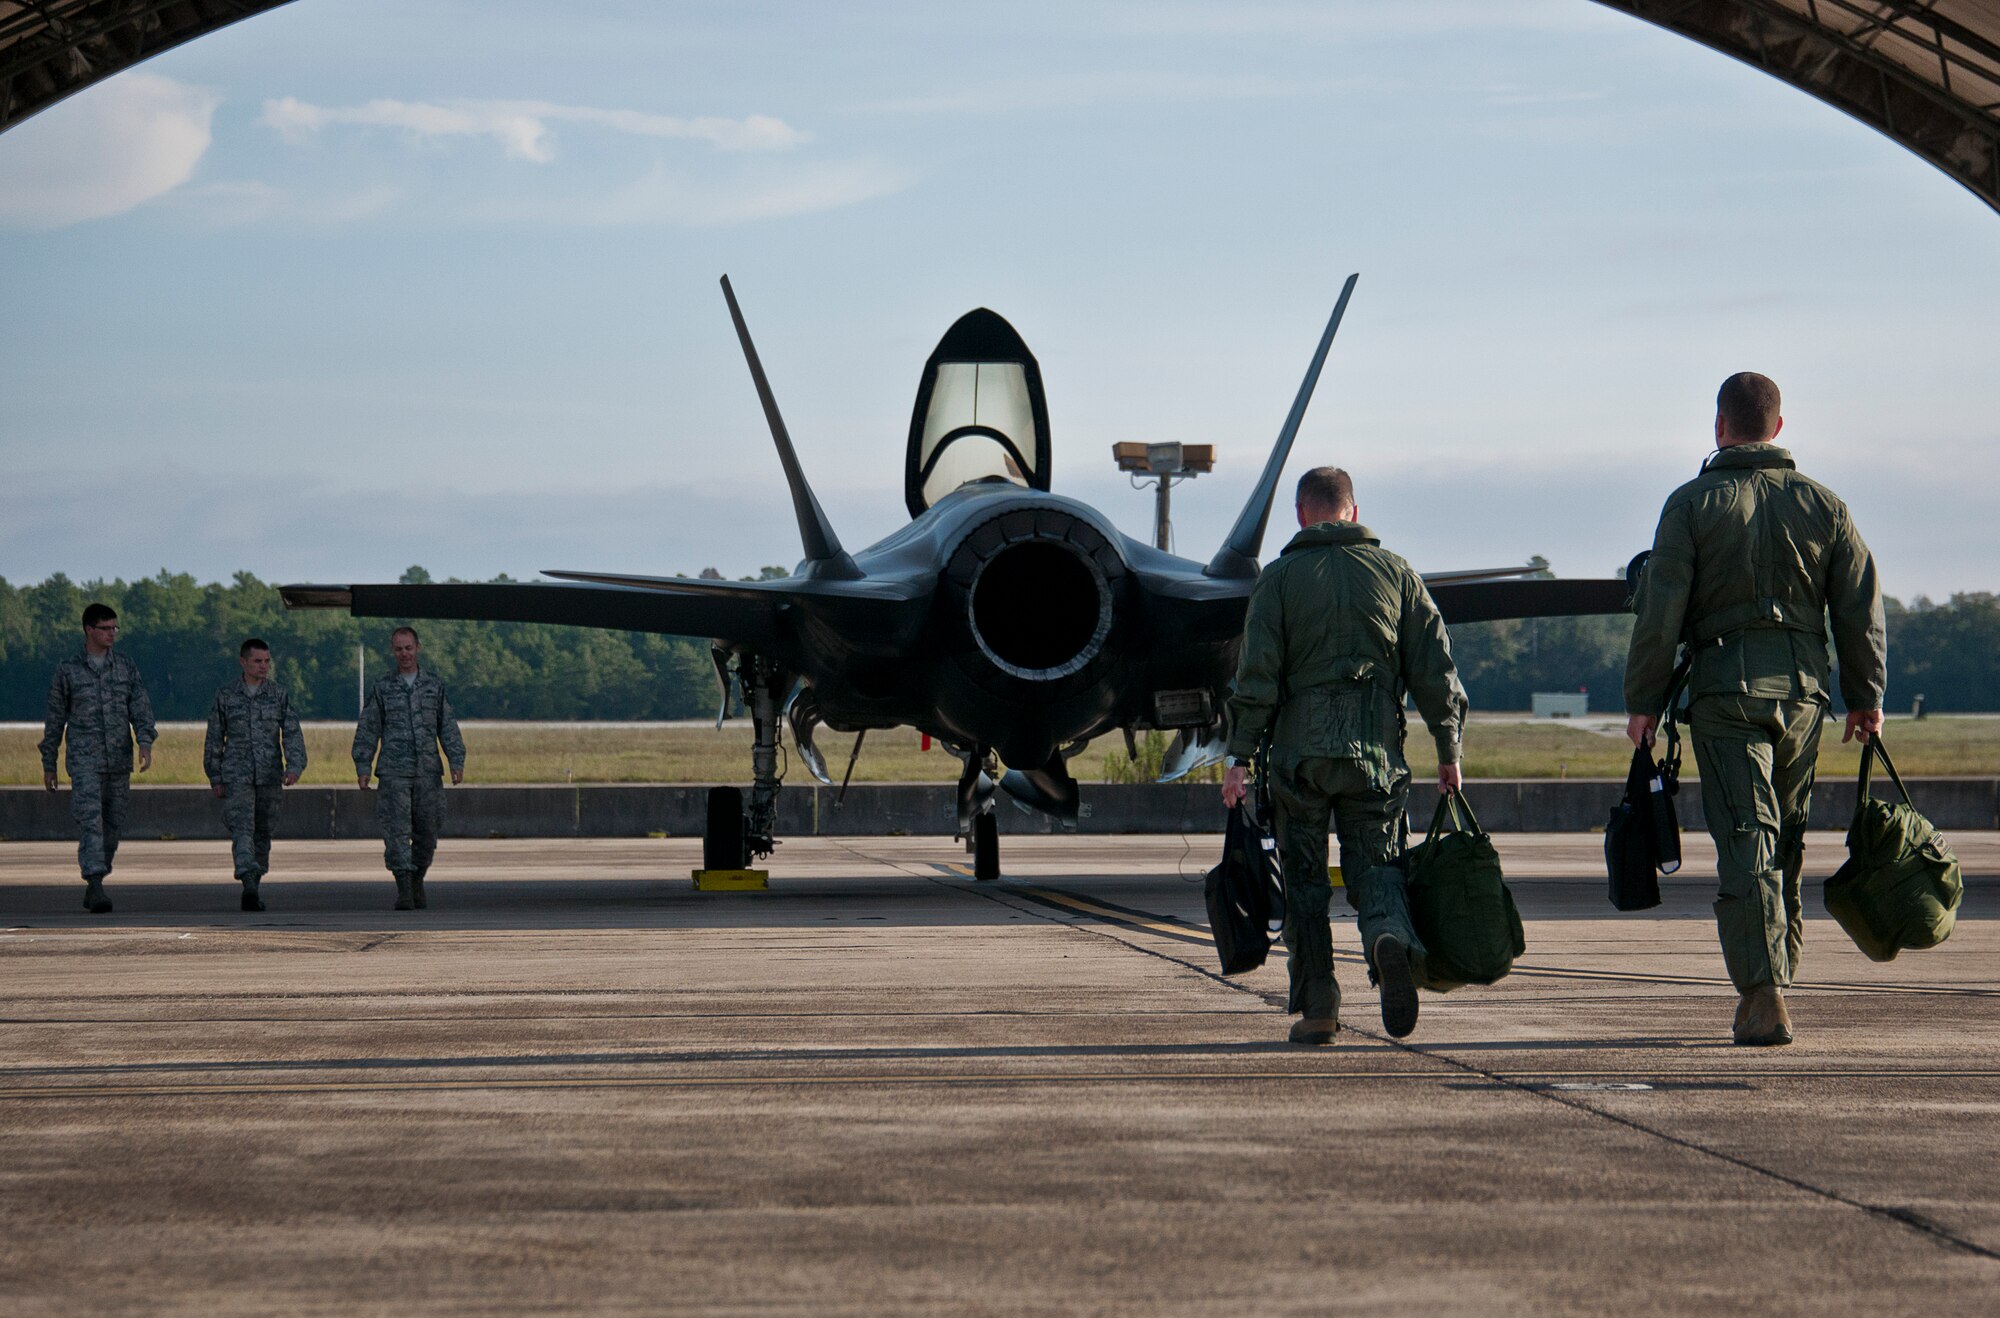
1339, 629
99, 707
253, 751
1750, 562
407, 718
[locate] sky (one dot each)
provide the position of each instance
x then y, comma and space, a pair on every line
356, 285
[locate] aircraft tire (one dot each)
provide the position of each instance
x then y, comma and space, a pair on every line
722, 845
985, 847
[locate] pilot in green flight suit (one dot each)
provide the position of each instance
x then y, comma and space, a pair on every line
1750, 562
1338, 630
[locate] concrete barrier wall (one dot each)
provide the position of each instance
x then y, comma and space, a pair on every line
878, 810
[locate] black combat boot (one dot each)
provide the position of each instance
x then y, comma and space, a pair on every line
405, 899
252, 899
94, 899
1399, 986
417, 891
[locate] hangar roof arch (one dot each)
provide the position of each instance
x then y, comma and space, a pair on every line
50, 49
1924, 72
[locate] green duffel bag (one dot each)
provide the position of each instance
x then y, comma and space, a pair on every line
1900, 886
1459, 905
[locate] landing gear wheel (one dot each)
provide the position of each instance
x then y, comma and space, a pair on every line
722, 845
985, 848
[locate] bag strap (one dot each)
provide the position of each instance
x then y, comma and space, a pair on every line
1446, 819
1676, 687
1460, 803
1868, 753
1440, 818
1639, 777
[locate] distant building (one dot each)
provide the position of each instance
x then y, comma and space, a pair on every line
1560, 704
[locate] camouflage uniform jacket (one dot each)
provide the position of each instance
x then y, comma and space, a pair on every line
407, 723
102, 712
252, 738
1339, 629
1749, 560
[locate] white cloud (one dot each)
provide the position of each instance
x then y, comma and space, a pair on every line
665, 197
113, 147
522, 127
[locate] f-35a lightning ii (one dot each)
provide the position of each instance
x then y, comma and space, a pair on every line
1010, 623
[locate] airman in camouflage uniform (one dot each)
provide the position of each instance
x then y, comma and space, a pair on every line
407, 716
99, 705
253, 751
1339, 629
1750, 561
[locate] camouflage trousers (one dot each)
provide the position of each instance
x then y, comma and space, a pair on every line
1757, 759
248, 811
1368, 818
97, 803
410, 811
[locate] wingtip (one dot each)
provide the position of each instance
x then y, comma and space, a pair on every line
317, 597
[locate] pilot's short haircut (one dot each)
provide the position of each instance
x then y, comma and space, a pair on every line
254, 643
96, 613
1326, 487
406, 630
1748, 405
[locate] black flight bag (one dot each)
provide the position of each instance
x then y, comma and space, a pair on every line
1642, 839
1246, 893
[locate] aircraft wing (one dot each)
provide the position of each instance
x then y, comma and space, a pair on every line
758, 614
1461, 597
1546, 597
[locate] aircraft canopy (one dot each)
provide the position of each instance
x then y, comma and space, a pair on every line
980, 414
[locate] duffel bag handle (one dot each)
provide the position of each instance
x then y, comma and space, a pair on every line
1868, 754
1446, 819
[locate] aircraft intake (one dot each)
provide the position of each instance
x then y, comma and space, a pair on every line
1036, 588
1040, 610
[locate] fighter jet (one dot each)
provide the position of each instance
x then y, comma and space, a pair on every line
1010, 623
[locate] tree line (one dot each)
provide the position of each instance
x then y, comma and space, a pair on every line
1942, 652
184, 635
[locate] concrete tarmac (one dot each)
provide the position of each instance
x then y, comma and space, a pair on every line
575, 1084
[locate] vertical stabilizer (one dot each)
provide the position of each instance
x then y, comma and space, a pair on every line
1238, 555
824, 556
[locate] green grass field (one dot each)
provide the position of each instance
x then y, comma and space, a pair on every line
620, 753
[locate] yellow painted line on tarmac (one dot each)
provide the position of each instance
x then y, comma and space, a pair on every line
1117, 916
310, 1087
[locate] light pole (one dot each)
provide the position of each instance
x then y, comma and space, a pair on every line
1168, 464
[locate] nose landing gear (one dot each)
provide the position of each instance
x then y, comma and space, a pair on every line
976, 821
985, 844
